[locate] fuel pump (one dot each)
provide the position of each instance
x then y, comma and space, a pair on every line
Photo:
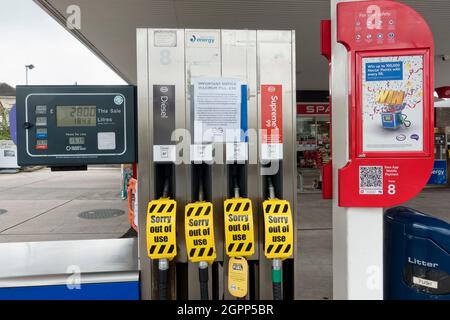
161, 235
239, 239
199, 231
278, 236
199, 114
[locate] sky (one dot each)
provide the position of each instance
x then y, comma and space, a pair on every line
28, 35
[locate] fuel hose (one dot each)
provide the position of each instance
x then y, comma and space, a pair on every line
277, 264
202, 265
163, 264
236, 195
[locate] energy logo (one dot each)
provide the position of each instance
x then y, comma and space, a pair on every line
202, 40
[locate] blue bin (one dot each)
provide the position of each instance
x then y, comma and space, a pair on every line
416, 256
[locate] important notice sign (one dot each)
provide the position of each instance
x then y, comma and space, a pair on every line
239, 236
161, 229
199, 232
278, 229
217, 110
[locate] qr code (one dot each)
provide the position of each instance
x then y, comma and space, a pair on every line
371, 180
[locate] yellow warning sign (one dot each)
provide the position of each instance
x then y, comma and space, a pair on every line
239, 234
238, 277
199, 231
161, 229
278, 229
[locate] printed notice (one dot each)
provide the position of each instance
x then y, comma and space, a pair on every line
217, 110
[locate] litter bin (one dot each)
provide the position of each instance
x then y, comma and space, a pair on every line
416, 256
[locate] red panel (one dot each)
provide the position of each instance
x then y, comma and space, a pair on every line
135, 170
443, 92
325, 39
378, 29
325, 50
271, 113
327, 180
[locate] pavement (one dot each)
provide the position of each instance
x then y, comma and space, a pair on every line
315, 270
43, 205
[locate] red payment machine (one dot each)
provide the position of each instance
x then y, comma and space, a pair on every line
391, 118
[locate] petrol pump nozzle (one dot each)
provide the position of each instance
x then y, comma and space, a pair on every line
199, 233
163, 268
161, 234
235, 182
163, 264
277, 264
201, 193
202, 265
239, 237
166, 188
236, 188
271, 188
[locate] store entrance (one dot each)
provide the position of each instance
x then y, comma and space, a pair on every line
313, 145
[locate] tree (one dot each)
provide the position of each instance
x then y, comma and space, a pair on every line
4, 124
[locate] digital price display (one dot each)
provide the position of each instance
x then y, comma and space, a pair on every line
66, 126
76, 116
77, 140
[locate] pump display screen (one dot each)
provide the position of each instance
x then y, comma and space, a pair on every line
77, 140
76, 116
76, 125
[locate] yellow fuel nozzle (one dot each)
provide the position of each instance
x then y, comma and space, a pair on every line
239, 231
279, 242
278, 229
161, 229
239, 240
199, 233
161, 236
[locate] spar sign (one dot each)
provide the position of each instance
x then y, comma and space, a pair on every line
271, 122
313, 109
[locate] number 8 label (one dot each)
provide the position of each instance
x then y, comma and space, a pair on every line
391, 189
165, 57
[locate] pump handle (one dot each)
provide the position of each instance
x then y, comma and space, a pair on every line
201, 193
271, 188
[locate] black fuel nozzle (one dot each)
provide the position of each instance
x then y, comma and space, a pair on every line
201, 192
